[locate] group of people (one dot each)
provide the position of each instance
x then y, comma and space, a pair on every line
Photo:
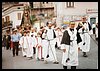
42, 43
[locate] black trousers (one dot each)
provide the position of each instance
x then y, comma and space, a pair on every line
15, 48
72, 67
8, 45
34, 50
93, 30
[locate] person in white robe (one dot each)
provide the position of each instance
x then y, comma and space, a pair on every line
24, 44
85, 32
31, 44
44, 45
38, 46
79, 30
34, 34
51, 41
69, 47
59, 37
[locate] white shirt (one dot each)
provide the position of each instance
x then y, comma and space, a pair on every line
50, 34
93, 26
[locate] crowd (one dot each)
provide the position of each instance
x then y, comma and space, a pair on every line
43, 43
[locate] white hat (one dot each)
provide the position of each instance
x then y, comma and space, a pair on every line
15, 29
50, 22
72, 22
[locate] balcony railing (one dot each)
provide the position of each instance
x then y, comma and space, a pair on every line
37, 5
7, 24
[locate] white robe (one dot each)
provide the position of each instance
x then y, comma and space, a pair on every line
81, 43
71, 50
59, 37
24, 43
38, 49
44, 46
51, 50
85, 38
31, 43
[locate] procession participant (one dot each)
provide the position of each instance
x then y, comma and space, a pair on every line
79, 34
69, 47
19, 31
50, 37
24, 43
35, 34
85, 35
8, 39
11, 39
42, 29
59, 37
4, 42
44, 44
54, 26
30, 40
38, 40
15, 39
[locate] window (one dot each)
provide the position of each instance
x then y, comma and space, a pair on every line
7, 18
43, 2
70, 4
46, 2
19, 16
92, 20
31, 4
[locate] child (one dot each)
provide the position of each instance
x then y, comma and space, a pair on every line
24, 43
38, 47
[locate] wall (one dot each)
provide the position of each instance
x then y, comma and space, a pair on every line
79, 9
13, 13
14, 18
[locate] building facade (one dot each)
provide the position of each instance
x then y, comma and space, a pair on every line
46, 8
67, 11
44, 11
12, 15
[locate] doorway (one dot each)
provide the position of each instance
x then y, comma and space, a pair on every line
92, 20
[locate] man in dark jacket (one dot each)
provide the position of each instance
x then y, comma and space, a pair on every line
8, 39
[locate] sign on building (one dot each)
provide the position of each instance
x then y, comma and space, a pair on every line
91, 11
75, 18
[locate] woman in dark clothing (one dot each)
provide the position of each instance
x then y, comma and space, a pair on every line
8, 40
4, 42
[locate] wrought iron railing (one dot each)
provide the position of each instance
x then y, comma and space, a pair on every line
7, 24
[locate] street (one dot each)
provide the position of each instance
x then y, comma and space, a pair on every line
30, 19
20, 62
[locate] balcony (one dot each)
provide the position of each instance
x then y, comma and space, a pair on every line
41, 5
7, 24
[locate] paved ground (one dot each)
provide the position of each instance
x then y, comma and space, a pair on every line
19, 62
